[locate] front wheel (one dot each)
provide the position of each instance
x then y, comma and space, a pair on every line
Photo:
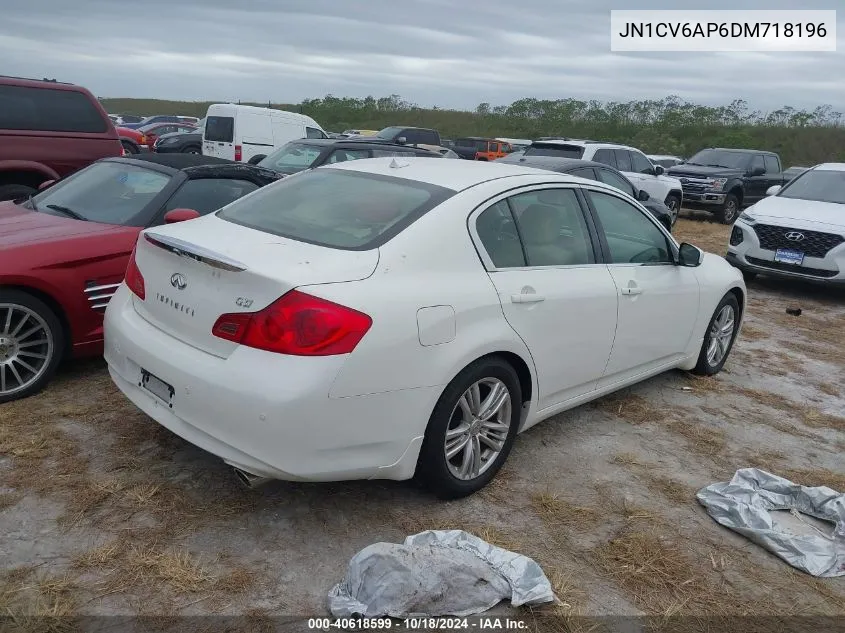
471, 430
673, 203
31, 344
719, 338
730, 210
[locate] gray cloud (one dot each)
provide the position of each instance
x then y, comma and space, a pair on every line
433, 52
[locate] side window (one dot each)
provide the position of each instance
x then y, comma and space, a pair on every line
631, 236
552, 227
623, 160
311, 132
605, 156
342, 155
583, 172
616, 180
209, 194
497, 231
756, 162
641, 164
772, 165
411, 137
494, 147
427, 137
25, 108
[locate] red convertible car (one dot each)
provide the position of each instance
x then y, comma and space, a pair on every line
64, 251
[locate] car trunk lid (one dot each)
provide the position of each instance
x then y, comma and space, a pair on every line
193, 277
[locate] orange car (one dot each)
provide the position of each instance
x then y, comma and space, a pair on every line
479, 148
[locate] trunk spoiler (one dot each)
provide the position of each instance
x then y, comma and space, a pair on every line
192, 251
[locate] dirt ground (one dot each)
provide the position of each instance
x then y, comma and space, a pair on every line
104, 512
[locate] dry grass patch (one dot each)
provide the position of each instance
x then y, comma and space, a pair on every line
701, 439
815, 477
830, 389
104, 556
9, 499
179, 570
557, 512
751, 332
630, 407
237, 581
707, 384
704, 233
629, 460
671, 489
809, 416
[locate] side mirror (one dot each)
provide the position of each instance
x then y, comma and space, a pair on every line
45, 184
180, 215
689, 255
401, 140
771, 191
659, 170
757, 171
256, 159
642, 195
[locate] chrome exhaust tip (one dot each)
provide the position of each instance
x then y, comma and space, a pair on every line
249, 480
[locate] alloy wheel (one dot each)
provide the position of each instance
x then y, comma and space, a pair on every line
478, 428
721, 334
26, 347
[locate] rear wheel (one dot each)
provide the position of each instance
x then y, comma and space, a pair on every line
730, 210
192, 149
31, 344
471, 430
719, 338
14, 192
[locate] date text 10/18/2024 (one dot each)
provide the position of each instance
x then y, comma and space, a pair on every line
418, 624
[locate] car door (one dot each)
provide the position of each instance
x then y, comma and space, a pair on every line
755, 186
643, 170
774, 173
658, 300
606, 157
541, 254
583, 172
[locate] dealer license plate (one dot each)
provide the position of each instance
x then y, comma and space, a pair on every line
789, 256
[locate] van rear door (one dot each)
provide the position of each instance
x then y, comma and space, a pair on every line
218, 138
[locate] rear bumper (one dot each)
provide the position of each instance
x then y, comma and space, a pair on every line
267, 414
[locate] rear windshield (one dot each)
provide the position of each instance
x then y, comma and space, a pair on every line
555, 149
26, 108
292, 157
337, 208
220, 129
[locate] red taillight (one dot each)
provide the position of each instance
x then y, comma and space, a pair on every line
134, 278
296, 324
238, 153
143, 140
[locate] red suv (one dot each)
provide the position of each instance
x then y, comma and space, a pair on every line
49, 130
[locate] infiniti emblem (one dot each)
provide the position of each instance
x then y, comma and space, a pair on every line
795, 236
178, 281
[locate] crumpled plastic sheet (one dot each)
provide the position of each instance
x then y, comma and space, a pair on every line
436, 573
745, 505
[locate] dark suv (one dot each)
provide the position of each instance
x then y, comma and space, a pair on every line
48, 130
409, 135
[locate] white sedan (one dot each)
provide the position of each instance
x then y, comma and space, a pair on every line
386, 318
798, 231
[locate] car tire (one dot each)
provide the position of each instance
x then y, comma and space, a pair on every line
129, 148
712, 357
15, 192
673, 203
192, 149
439, 472
35, 314
729, 211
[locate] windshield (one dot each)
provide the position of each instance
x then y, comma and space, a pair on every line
475, 143
337, 208
821, 185
389, 133
106, 192
720, 158
291, 158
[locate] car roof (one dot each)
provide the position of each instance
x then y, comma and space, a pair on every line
554, 162
827, 167
737, 150
579, 143
177, 162
352, 143
452, 174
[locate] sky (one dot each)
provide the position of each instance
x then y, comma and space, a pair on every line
448, 53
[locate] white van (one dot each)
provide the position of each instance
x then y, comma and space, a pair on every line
240, 132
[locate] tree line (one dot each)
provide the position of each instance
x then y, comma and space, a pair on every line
665, 126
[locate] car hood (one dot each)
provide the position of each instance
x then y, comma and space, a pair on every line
700, 171
797, 211
19, 226
672, 181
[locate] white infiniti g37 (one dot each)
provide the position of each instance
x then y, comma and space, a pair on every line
387, 318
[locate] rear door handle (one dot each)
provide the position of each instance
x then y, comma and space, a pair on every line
527, 298
631, 291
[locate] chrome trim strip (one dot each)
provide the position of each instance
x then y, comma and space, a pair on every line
99, 305
192, 251
103, 287
98, 297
